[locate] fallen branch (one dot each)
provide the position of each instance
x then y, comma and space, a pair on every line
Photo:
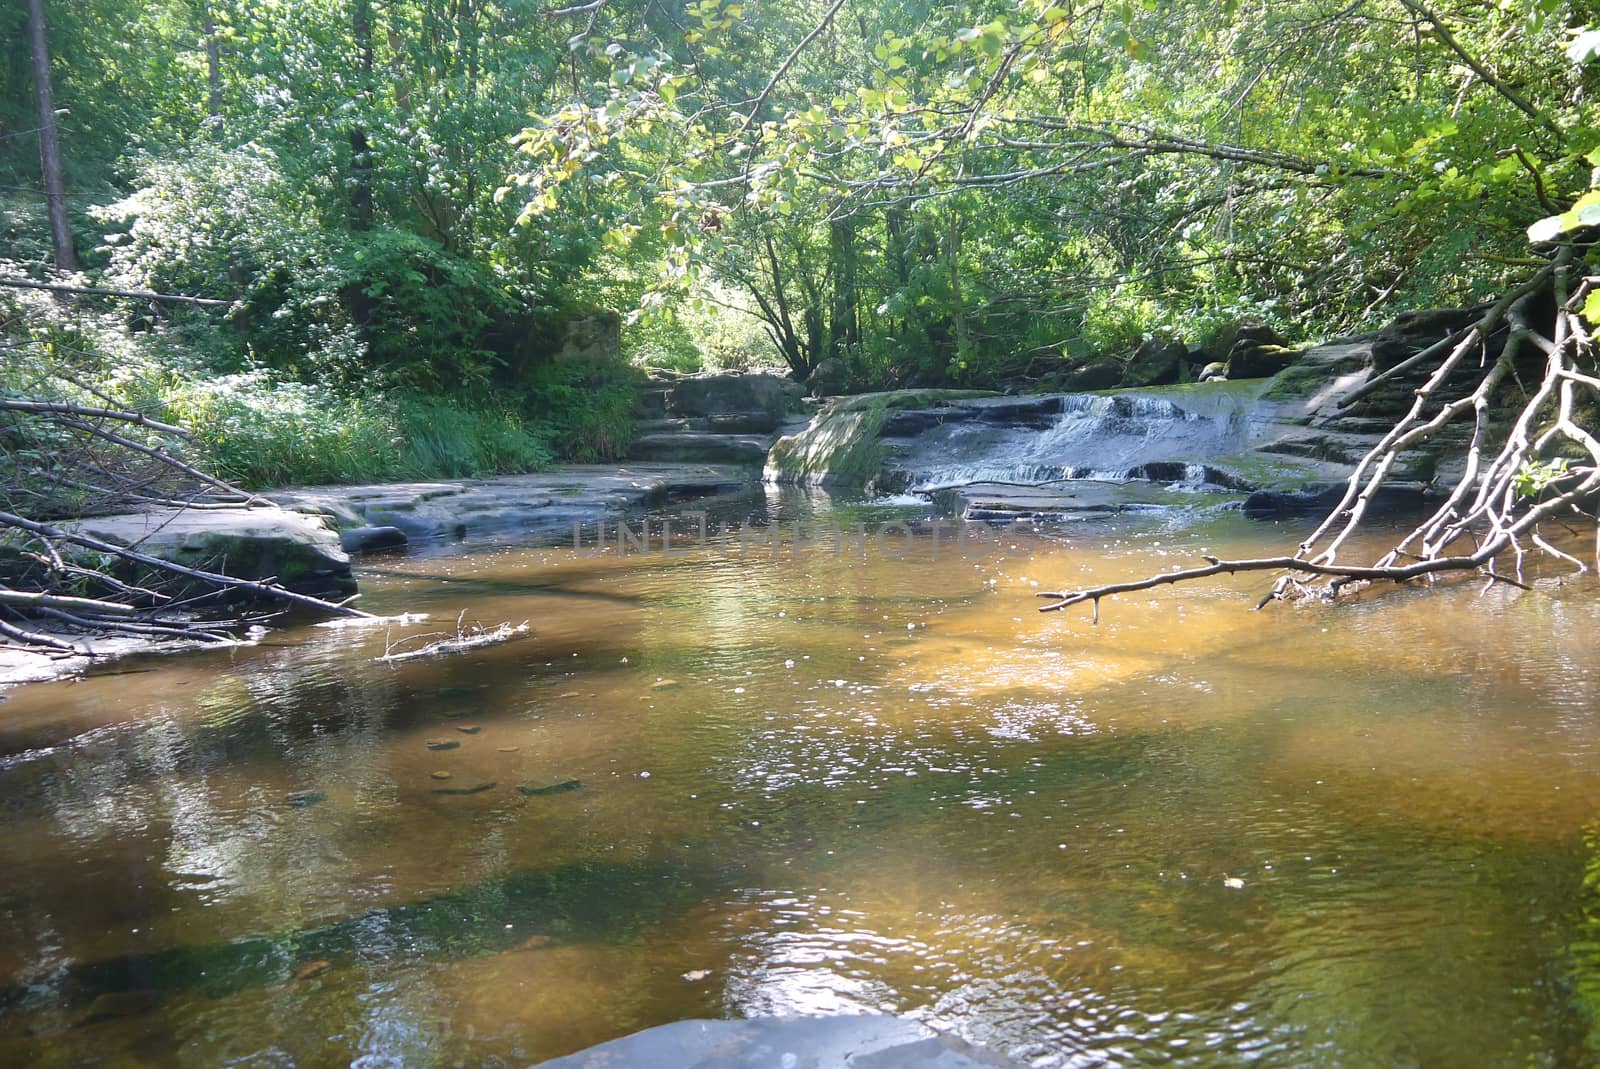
1494, 501
62, 408
96, 291
24, 599
458, 644
1216, 566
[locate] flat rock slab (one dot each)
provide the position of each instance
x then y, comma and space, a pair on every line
850, 1042
546, 504
997, 501
707, 446
301, 552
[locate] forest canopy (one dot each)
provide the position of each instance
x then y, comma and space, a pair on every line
930, 194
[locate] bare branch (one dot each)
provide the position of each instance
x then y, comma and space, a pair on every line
138, 295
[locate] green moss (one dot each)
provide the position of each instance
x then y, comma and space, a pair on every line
840, 448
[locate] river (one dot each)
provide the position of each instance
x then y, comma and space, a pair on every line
857, 774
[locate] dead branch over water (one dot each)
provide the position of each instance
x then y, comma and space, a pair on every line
1533, 466
59, 585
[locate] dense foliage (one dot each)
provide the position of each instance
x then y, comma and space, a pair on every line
959, 193
403, 199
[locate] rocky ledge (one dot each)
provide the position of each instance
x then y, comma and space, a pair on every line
543, 505
266, 542
1285, 442
305, 538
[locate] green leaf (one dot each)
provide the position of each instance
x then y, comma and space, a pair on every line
1584, 47
1591, 308
1584, 213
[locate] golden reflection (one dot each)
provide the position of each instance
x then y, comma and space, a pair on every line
892, 785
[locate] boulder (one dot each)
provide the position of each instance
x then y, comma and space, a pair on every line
595, 338
1410, 332
298, 550
1226, 338
1252, 360
372, 539
1157, 362
1099, 375
1216, 371
709, 395
828, 378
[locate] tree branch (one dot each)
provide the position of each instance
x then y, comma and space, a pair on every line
138, 295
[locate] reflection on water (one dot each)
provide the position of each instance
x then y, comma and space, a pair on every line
723, 783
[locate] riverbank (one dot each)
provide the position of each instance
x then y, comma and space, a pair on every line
305, 537
1271, 446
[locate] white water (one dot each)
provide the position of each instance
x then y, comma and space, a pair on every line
1115, 438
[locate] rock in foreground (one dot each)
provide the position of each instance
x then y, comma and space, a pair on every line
300, 552
858, 1042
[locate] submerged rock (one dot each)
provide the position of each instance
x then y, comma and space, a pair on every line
372, 539
867, 1041
550, 788
115, 1004
477, 788
301, 799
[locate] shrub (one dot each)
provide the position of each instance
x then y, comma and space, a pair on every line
585, 408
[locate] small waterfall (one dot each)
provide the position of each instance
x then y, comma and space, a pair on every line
1117, 438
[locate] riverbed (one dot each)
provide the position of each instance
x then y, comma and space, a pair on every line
857, 772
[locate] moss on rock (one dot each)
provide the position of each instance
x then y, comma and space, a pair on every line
840, 446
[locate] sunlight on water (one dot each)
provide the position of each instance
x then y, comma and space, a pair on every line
816, 781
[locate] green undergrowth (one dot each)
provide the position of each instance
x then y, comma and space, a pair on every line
261, 433
262, 427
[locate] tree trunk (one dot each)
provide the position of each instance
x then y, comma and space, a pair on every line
957, 314
845, 326
49, 141
795, 353
360, 150
208, 24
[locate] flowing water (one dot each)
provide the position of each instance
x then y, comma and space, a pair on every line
854, 776
1130, 436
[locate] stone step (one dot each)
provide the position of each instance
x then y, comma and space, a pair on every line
659, 426
701, 446
1341, 423
1322, 445
651, 403
719, 423
752, 422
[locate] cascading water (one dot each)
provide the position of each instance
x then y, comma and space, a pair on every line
1117, 438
